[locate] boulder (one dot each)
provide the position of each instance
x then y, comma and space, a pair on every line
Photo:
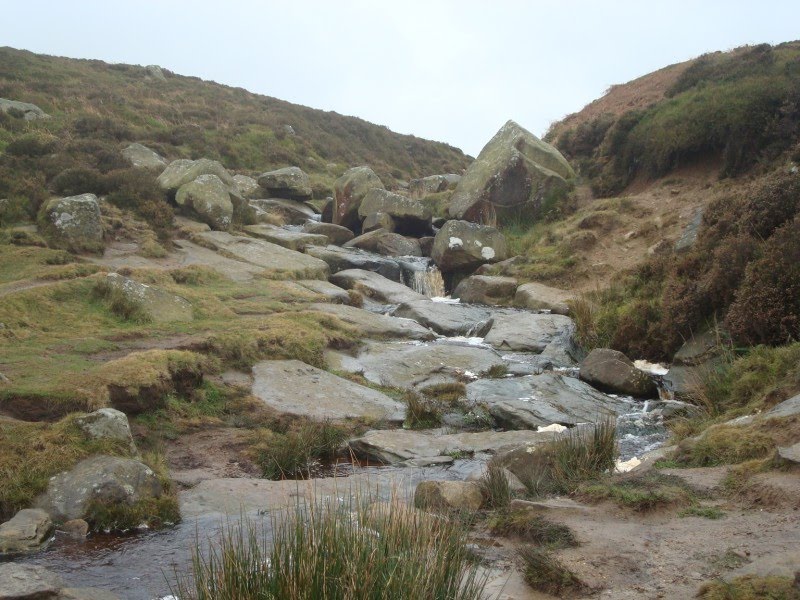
539, 400
160, 306
107, 424
293, 387
28, 111
446, 319
550, 335
375, 325
426, 245
348, 192
787, 408
375, 286
386, 243
537, 296
486, 289
27, 531
409, 216
289, 212
689, 233
142, 157
448, 495
154, 72
341, 259
289, 182
73, 223
613, 372
108, 480
516, 174
293, 240
433, 184
695, 359
182, 171
246, 186
790, 453
208, 197
378, 220
277, 261
76, 529
336, 234
463, 246
27, 582
326, 211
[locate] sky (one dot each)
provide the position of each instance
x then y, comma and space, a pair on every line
452, 71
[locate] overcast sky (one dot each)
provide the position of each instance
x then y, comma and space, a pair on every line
452, 71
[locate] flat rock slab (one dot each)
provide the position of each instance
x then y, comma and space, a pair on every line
536, 400
787, 408
537, 296
518, 331
396, 446
236, 270
23, 582
273, 259
375, 286
25, 532
161, 306
293, 240
293, 387
413, 366
333, 293
341, 259
375, 325
445, 318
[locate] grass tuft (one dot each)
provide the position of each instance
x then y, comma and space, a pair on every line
297, 452
532, 528
495, 488
751, 587
545, 573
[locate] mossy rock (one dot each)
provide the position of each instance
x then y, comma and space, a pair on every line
73, 223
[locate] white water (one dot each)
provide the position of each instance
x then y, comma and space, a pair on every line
428, 282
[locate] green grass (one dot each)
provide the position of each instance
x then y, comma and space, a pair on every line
420, 413
495, 488
706, 512
751, 587
298, 451
337, 551
641, 494
531, 528
545, 573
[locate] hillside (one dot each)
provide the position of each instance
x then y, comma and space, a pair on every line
98, 107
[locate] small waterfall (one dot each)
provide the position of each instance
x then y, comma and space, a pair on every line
428, 282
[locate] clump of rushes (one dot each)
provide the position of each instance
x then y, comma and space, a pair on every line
495, 488
298, 451
545, 573
532, 528
337, 552
420, 413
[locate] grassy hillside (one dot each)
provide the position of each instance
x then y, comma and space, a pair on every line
740, 108
98, 108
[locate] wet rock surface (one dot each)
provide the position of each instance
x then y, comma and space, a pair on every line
27, 531
446, 319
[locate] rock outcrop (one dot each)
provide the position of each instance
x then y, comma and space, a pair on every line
247, 186
28, 111
158, 305
182, 171
375, 286
463, 246
289, 182
336, 234
285, 211
516, 174
537, 296
433, 184
408, 217
446, 319
107, 424
73, 223
293, 240
348, 192
375, 325
341, 259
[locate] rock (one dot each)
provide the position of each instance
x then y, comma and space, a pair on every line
332, 293
400, 365
689, 234
386, 243
289, 182
448, 495
76, 529
277, 261
27, 582
699, 356
27, 531
536, 400
293, 387
537, 296
247, 186
73, 223
160, 306
660, 248
613, 372
402, 446
446, 319
787, 408
182, 171
326, 212
433, 184
348, 192
293, 240
142, 157
463, 246
28, 111
486, 289
342, 259
208, 197
105, 479
550, 335
408, 216
155, 72
426, 245
790, 453
378, 221
290, 212
514, 484
86, 594
375, 286
548, 506
336, 234
107, 424
375, 325
515, 174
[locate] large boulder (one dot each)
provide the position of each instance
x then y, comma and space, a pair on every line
208, 197
486, 289
537, 296
293, 387
463, 246
182, 171
158, 305
341, 259
448, 495
73, 223
409, 217
246, 186
700, 356
289, 182
142, 157
433, 184
28, 111
107, 424
285, 211
386, 243
336, 234
27, 531
348, 192
516, 174
550, 335
612, 371
107, 480
375, 286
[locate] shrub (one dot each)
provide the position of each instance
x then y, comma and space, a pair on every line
32, 145
78, 180
640, 493
138, 191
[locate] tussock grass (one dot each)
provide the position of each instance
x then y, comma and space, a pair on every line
532, 528
297, 451
751, 587
337, 551
495, 487
642, 494
542, 570
420, 413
